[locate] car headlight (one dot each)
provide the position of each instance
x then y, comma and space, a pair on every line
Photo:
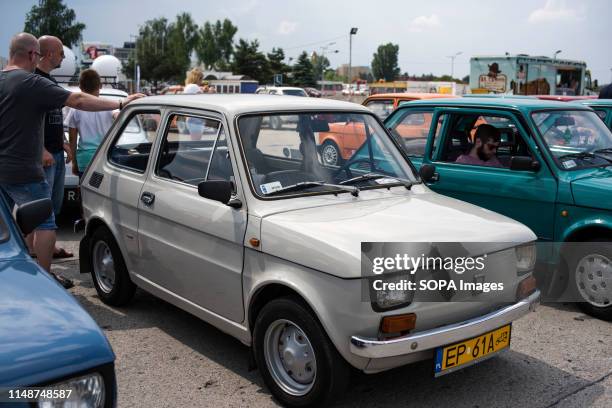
390, 291
87, 391
525, 258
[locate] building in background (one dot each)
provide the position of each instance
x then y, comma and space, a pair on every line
124, 53
357, 72
3, 62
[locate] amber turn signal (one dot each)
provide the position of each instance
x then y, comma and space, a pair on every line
254, 242
398, 324
526, 288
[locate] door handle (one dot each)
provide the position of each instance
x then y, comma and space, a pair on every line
147, 198
435, 177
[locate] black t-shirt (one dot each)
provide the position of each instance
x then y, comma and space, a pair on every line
24, 99
606, 92
54, 124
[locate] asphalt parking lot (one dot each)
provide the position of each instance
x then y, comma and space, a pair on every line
166, 357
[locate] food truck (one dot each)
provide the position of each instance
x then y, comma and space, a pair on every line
527, 75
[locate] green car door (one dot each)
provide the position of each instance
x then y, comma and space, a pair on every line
525, 195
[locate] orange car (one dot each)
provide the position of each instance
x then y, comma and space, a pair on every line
344, 138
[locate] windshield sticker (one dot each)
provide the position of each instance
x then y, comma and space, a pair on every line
271, 187
569, 164
385, 180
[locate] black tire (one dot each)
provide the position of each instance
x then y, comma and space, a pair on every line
579, 253
123, 288
332, 371
326, 148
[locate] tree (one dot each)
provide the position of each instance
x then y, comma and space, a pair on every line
52, 17
248, 60
303, 71
384, 62
215, 44
320, 65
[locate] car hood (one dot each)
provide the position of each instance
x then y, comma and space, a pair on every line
595, 190
328, 238
44, 333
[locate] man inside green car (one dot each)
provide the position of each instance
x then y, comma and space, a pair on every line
484, 150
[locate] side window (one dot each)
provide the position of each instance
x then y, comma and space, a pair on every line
186, 150
381, 108
132, 147
460, 146
601, 114
413, 129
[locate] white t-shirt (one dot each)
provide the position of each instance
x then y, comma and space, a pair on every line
92, 126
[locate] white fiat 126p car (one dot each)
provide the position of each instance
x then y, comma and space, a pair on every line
246, 227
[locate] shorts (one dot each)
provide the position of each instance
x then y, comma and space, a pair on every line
24, 193
55, 177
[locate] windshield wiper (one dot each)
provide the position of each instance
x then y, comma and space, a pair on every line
590, 155
307, 184
375, 176
607, 150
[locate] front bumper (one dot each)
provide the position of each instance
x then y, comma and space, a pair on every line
430, 339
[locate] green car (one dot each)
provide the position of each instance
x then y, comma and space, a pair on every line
603, 108
553, 173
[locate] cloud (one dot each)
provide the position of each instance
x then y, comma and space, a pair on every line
287, 27
424, 23
553, 11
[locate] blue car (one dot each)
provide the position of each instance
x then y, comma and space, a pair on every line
46, 338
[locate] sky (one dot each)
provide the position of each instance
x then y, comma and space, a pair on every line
427, 32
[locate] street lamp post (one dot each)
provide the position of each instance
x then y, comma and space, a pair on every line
452, 58
351, 34
556, 53
136, 87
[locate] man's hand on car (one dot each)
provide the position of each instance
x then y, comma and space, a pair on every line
132, 97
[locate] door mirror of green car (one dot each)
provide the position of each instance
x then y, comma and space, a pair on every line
524, 163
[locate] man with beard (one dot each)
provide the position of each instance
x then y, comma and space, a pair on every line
483, 153
51, 56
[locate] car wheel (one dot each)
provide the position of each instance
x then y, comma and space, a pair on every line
592, 276
299, 364
276, 122
110, 275
330, 154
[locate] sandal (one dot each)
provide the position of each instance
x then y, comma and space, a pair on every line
62, 253
65, 282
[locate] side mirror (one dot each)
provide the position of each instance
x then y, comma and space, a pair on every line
524, 163
219, 190
428, 172
31, 215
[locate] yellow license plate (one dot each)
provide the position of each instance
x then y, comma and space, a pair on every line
468, 352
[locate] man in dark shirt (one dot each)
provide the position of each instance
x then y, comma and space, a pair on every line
52, 54
24, 99
606, 92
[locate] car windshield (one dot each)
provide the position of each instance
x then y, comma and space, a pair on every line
307, 153
294, 92
576, 139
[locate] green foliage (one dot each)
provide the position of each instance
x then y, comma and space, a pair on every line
248, 60
215, 44
52, 17
303, 72
320, 65
384, 62
163, 49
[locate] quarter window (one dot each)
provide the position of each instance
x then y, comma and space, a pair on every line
132, 148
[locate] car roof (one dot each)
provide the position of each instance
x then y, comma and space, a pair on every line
525, 104
409, 95
236, 104
103, 91
597, 102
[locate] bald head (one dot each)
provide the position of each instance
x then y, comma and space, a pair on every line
22, 44
49, 43
51, 53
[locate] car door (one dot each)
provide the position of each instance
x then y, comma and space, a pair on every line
123, 175
190, 245
526, 196
412, 127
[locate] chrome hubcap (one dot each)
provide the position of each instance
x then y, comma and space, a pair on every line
104, 266
594, 279
290, 357
330, 154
